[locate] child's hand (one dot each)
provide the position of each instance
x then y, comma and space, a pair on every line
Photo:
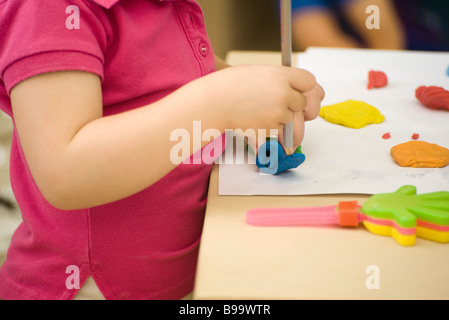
311, 111
266, 97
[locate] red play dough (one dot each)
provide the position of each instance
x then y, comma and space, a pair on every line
433, 97
415, 136
386, 135
377, 79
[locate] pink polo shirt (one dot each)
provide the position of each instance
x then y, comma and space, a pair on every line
141, 247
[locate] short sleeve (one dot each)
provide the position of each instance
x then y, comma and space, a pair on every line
50, 35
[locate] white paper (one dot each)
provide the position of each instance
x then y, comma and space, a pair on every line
346, 160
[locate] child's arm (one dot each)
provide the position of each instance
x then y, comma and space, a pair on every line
80, 159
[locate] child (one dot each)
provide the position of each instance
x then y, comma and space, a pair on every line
95, 88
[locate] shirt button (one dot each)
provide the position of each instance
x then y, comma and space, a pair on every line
204, 49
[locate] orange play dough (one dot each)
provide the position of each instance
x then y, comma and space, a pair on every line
420, 154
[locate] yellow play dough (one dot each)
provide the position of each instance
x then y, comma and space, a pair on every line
352, 114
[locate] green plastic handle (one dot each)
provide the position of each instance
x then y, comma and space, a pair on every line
404, 206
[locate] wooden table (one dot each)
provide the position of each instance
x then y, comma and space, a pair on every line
238, 261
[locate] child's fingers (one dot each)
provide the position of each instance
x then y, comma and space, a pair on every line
286, 116
314, 98
321, 92
297, 101
298, 131
301, 80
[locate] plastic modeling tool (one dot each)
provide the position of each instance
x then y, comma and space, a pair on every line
286, 49
272, 157
403, 215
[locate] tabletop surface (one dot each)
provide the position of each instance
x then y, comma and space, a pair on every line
239, 261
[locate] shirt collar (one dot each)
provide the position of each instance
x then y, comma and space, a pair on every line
109, 3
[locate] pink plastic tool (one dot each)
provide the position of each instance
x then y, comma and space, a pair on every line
345, 214
403, 214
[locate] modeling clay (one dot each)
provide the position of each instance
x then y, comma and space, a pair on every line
433, 97
377, 79
386, 135
415, 136
351, 113
271, 158
403, 215
420, 154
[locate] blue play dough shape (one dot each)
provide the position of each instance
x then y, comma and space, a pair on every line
271, 158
